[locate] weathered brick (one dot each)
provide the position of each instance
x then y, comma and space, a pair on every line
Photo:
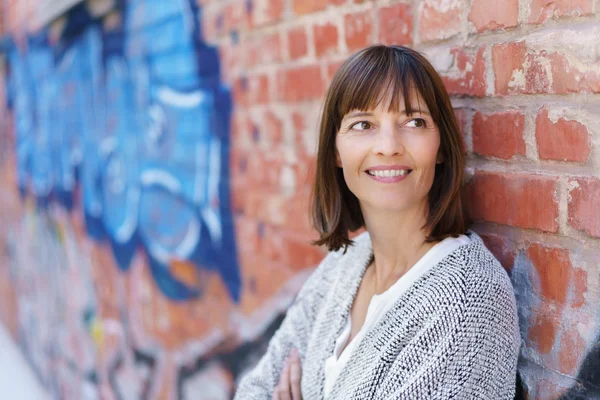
499, 135
521, 70
522, 200
584, 212
395, 24
491, 14
554, 271
326, 39
467, 75
358, 30
542, 10
542, 332
571, 351
563, 141
508, 60
439, 19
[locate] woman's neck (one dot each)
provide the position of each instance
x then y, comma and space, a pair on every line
398, 243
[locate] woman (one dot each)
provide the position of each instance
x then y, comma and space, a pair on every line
416, 307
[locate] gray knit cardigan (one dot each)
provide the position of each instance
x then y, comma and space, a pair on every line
453, 334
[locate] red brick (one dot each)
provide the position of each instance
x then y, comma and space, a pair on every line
508, 59
300, 83
491, 14
580, 287
240, 91
501, 248
266, 11
238, 18
470, 80
251, 90
331, 69
526, 201
272, 128
439, 19
297, 208
358, 30
564, 140
542, 332
571, 351
584, 212
326, 39
263, 49
299, 253
247, 233
554, 271
310, 6
395, 24
297, 42
499, 135
542, 10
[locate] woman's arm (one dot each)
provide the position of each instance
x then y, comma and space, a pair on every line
294, 331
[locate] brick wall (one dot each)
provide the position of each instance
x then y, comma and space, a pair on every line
524, 76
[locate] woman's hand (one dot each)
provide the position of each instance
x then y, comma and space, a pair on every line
288, 387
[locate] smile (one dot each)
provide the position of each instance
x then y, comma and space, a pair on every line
389, 173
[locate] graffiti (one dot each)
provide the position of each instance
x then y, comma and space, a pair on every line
122, 249
141, 128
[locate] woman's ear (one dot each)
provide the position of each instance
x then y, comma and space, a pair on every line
338, 160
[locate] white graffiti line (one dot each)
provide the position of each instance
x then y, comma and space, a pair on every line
181, 100
190, 241
158, 177
183, 251
127, 228
213, 223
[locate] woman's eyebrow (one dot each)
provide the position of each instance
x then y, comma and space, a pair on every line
357, 114
423, 112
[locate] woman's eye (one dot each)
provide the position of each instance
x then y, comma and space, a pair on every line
416, 123
361, 126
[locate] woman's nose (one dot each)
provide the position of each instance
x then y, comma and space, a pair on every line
388, 142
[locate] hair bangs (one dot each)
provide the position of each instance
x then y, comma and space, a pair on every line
390, 77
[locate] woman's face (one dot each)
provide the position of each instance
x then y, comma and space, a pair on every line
388, 158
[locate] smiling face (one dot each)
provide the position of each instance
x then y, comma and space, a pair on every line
388, 157
388, 141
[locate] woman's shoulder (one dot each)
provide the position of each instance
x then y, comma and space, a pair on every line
482, 272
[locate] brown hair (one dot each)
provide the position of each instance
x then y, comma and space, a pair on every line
361, 83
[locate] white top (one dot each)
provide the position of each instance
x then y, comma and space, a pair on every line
381, 303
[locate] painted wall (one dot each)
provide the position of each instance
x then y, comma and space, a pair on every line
156, 161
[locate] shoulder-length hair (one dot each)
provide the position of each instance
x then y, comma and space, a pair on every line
360, 84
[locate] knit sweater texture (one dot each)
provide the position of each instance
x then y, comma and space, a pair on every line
453, 334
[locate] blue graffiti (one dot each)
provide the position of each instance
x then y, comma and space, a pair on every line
133, 125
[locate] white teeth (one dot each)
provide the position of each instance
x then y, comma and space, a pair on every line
389, 173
